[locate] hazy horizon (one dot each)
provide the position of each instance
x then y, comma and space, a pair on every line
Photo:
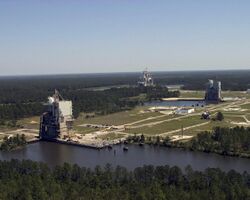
81, 37
128, 72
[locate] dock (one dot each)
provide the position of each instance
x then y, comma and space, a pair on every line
93, 145
33, 140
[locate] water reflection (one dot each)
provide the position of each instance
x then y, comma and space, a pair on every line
56, 154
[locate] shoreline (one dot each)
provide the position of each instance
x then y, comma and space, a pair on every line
74, 144
230, 154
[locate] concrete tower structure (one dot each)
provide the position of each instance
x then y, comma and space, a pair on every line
147, 79
58, 119
213, 91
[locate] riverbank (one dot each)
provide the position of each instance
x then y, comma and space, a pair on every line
176, 145
222, 153
97, 146
180, 146
223, 141
72, 143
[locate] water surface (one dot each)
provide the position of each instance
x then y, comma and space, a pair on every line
56, 154
177, 103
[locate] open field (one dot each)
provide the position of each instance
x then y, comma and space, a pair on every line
206, 127
27, 126
29, 123
246, 106
235, 118
152, 120
240, 94
167, 126
120, 117
192, 94
85, 130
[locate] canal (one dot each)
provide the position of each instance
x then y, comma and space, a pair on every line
56, 154
177, 103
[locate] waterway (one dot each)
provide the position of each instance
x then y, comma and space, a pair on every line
56, 154
177, 103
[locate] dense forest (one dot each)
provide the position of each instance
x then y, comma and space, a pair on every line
226, 141
231, 80
26, 179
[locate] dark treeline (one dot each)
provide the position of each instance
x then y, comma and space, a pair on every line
103, 102
231, 80
24, 180
37, 88
159, 92
226, 141
15, 111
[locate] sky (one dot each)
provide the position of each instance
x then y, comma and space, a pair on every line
92, 36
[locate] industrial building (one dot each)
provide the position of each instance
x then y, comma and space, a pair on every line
57, 121
146, 80
213, 91
184, 111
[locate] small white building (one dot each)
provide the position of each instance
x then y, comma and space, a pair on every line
184, 111
248, 91
164, 110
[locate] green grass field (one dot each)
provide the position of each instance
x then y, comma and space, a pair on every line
192, 94
240, 94
234, 118
248, 116
206, 127
246, 106
84, 130
166, 117
119, 118
30, 122
167, 126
